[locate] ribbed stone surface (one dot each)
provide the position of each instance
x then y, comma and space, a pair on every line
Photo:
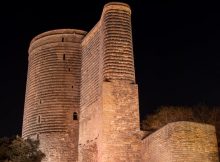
71, 73
91, 67
118, 51
181, 142
109, 115
53, 90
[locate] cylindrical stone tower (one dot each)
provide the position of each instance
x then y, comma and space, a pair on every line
52, 93
118, 54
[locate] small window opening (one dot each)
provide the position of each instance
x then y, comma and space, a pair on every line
38, 119
40, 102
75, 116
62, 39
72, 86
69, 69
107, 80
37, 136
64, 57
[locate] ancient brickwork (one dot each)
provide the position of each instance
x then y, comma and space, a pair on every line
90, 105
181, 142
121, 134
82, 101
91, 67
53, 90
118, 49
107, 63
59, 146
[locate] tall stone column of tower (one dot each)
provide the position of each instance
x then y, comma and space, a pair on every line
119, 93
71, 73
109, 112
52, 93
82, 100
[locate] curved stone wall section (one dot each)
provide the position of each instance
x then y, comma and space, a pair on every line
53, 81
53, 91
118, 51
181, 141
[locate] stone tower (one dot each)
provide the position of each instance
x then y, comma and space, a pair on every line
53, 93
82, 100
109, 113
70, 73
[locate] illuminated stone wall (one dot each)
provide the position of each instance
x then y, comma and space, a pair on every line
181, 142
82, 100
109, 112
53, 93
90, 103
118, 48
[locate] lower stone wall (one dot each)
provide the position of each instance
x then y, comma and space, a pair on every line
58, 147
181, 142
90, 133
90, 152
121, 133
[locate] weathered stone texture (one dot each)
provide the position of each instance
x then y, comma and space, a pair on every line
53, 89
118, 49
59, 147
121, 134
181, 142
90, 103
91, 70
107, 63
91, 76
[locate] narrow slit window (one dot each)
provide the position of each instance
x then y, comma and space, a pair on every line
64, 56
37, 136
38, 119
75, 116
69, 69
62, 39
72, 86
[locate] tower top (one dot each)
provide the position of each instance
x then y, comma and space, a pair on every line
117, 5
58, 31
53, 36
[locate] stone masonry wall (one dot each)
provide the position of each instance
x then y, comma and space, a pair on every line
59, 146
181, 142
109, 129
91, 69
90, 103
53, 92
118, 49
82, 101
121, 134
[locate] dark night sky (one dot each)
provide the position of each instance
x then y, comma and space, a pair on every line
176, 50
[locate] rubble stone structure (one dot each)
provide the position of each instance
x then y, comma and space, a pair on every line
82, 100
182, 142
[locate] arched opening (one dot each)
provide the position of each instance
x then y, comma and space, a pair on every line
75, 116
